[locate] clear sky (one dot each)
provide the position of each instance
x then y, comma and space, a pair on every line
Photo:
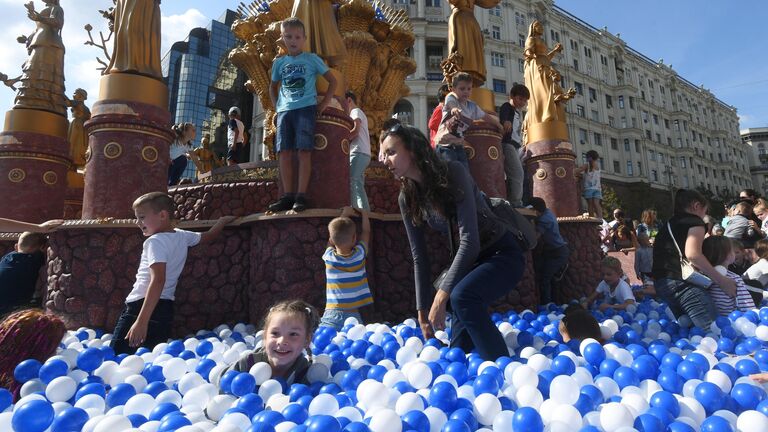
721, 45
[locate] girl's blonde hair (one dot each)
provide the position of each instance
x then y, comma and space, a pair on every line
648, 217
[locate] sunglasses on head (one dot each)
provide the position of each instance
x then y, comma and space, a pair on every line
401, 131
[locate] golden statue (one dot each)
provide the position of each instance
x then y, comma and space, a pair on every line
465, 37
78, 138
137, 38
323, 37
561, 96
204, 159
544, 119
42, 80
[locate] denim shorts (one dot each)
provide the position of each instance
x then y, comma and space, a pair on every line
296, 129
593, 194
335, 317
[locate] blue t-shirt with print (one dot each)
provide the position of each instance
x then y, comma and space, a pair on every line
297, 76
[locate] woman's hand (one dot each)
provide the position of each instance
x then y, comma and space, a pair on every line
426, 327
437, 312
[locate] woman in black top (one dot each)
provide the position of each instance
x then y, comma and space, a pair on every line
688, 228
488, 262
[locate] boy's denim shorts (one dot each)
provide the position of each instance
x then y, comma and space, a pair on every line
335, 318
296, 129
593, 193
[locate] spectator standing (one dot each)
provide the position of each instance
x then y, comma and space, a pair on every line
235, 136
437, 113
511, 118
180, 147
359, 153
646, 233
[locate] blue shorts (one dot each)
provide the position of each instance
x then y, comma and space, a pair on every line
335, 318
593, 194
296, 129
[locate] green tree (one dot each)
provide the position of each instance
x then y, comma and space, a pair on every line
610, 201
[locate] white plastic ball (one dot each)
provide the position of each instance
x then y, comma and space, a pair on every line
269, 388
752, 421
409, 402
486, 408
529, 396
386, 420
437, 418
564, 390
112, 423
323, 404
419, 375
174, 369
61, 389
614, 416
141, 404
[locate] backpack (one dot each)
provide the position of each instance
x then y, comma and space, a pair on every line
514, 222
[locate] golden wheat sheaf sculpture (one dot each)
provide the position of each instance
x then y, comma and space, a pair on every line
375, 35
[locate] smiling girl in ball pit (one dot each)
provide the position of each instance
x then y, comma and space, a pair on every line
288, 330
488, 262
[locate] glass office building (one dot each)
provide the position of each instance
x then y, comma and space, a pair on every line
190, 69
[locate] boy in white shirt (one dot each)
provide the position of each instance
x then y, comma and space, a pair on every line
148, 314
613, 288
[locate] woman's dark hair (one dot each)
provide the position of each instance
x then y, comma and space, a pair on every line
538, 204
592, 154
716, 249
434, 190
684, 198
580, 324
442, 92
180, 128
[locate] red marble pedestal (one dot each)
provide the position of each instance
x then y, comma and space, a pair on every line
551, 163
486, 158
34, 158
127, 156
329, 181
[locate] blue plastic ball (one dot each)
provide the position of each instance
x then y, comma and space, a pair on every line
710, 396
295, 413
119, 395
563, 365
53, 369
648, 423
455, 426
136, 420
667, 401
172, 422
527, 419
90, 359
417, 421
356, 427
161, 410
272, 418
625, 377
251, 403
27, 370
443, 396
34, 416
594, 353
746, 396
465, 415
242, 384
323, 423
716, 424
204, 367
6, 399
70, 419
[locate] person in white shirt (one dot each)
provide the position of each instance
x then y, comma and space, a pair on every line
148, 314
615, 291
759, 270
235, 137
359, 153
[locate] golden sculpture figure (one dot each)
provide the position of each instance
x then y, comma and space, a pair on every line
204, 159
137, 38
78, 138
323, 37
465, 37
545, 119
42, 80
561, 96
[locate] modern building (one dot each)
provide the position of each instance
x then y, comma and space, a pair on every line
190, 69
654, 130
757, 140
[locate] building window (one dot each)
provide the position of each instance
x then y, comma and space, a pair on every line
576, 64
648, 134
654, 175
592, 94
554, 35
521, 39
579, 87
658, 138
611, 121
666, 123
580, 110
521, 65
496, 32
433, 3
519, 19
614, 144
608, 101
651, 155
621, 102
616, 167
595, 116
644, 114
629, 168
588, 52
499, 86
639, 168
598, 139
637, 146
623, 122
497, 59
655, 119
574, 45
631, 102
603, 60
496, 11
583, 136
626, 145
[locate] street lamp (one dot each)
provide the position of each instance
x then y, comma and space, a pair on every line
672, 176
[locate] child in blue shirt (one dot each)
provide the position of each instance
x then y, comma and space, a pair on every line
19, 271
295, 98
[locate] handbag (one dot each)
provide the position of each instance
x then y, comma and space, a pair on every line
689, 272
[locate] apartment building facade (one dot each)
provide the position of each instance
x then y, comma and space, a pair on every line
757, 141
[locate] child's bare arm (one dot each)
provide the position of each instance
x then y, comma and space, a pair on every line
591, 298
365, 235
332, 84
10, 225
138, 332
216, 229
494, 121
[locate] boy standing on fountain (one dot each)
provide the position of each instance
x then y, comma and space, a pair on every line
295, 98
148, 314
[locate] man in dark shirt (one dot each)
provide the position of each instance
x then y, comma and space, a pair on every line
511, 117
553, 258
19, 271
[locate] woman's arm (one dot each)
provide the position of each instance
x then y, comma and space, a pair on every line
418, 245
693, 253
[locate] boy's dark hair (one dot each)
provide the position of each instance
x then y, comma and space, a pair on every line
30, 240
157, 201
761, 248
350, 94
580, 324
442, 92
592, 154
612, 263
293, 22
716, 249
519, 90
751, 193
341, 230
459, 77
538, 204
684, 198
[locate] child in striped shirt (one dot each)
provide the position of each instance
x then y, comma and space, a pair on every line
719, 251
347, 281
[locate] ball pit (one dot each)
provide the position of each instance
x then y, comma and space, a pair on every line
652, 374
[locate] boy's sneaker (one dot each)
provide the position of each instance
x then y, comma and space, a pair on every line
284, 203
300, 203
